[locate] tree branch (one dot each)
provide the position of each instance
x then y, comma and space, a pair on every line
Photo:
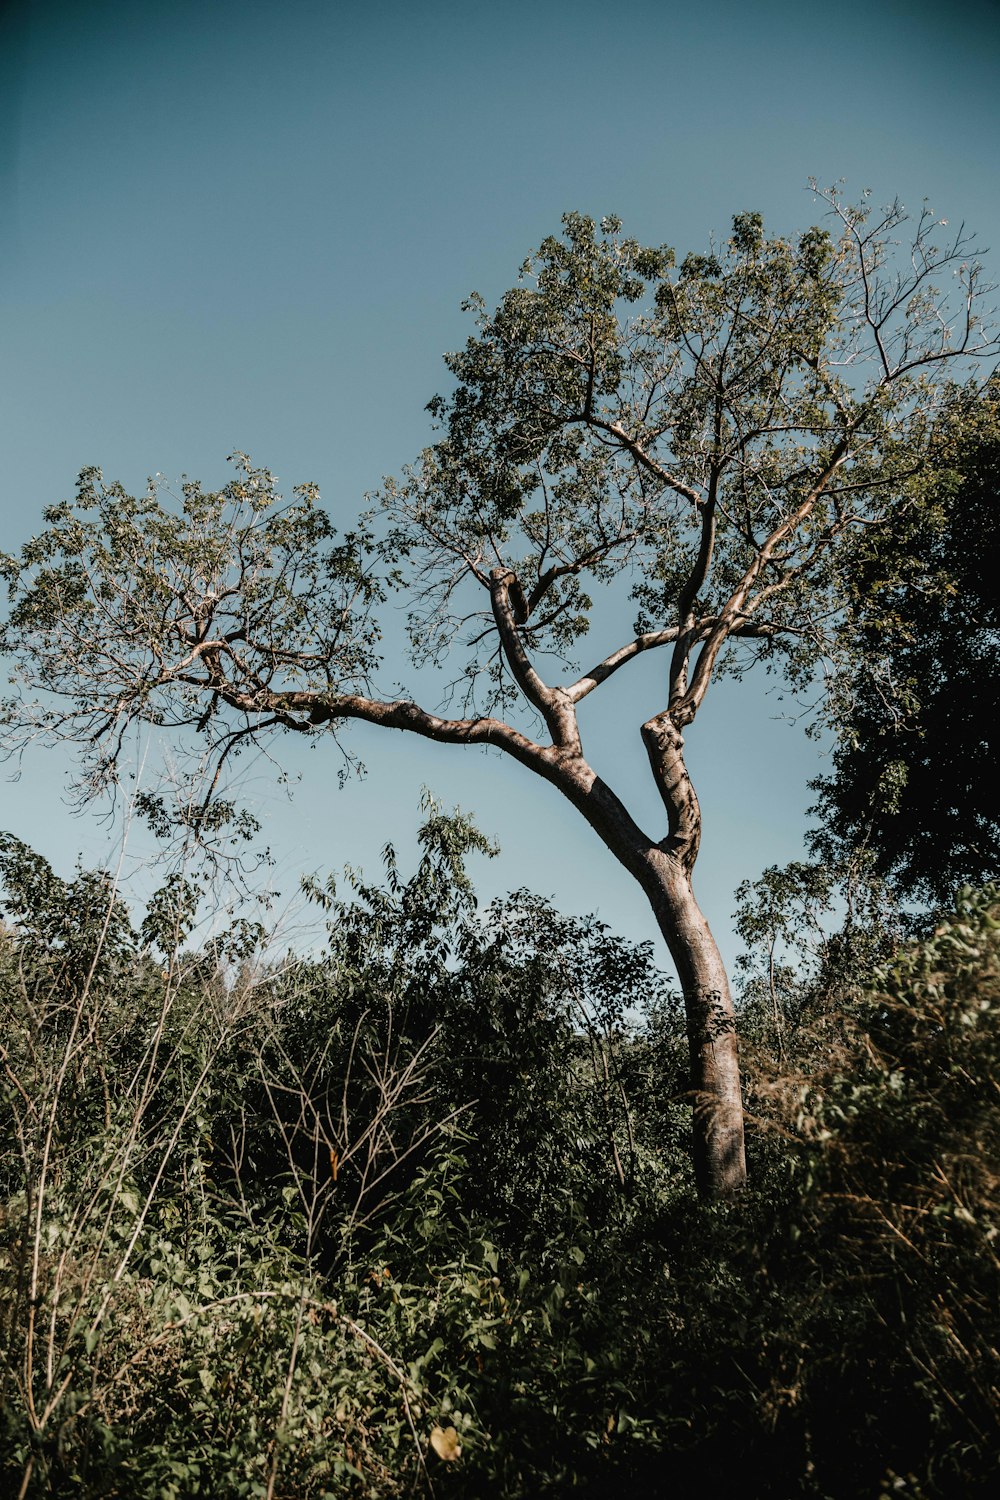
687, 706
510, 609
644, 459
606, 668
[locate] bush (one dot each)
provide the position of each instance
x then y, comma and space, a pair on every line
414, 1215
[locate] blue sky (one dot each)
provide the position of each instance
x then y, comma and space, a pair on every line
238, 225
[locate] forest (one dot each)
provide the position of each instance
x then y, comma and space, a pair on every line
466, 1198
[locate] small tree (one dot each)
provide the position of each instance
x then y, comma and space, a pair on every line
915, 765
713, 430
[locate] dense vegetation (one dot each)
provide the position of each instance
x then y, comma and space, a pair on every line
915, 771
417, 1215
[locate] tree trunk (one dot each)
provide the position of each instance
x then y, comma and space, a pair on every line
664, 873
718, 1148
719, 1158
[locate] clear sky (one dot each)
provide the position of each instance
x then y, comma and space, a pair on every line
247, 225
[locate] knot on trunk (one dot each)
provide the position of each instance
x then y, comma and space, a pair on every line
664, 745
662, 734
506, 578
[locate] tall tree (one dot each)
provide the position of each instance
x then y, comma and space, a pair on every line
712, 430
915, 767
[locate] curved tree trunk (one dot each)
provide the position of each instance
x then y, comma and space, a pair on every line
719, 1156
663, 870
718, 1147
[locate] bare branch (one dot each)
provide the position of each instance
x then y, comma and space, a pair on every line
606, 668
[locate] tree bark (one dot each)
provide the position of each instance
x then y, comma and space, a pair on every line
719, 1153
664, 872
717, 1115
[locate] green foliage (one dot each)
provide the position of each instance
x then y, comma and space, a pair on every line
717, 428
901, 1211
415, 1215
124, 608
206, 1177
814, 932
914, 772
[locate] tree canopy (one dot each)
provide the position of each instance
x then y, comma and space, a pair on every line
711, 428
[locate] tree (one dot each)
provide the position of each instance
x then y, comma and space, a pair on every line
713, 430
915, 769
813, 935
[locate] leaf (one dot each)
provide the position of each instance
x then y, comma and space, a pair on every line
444, 1441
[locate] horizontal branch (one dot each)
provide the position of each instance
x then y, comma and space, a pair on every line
318, 709
562, 765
